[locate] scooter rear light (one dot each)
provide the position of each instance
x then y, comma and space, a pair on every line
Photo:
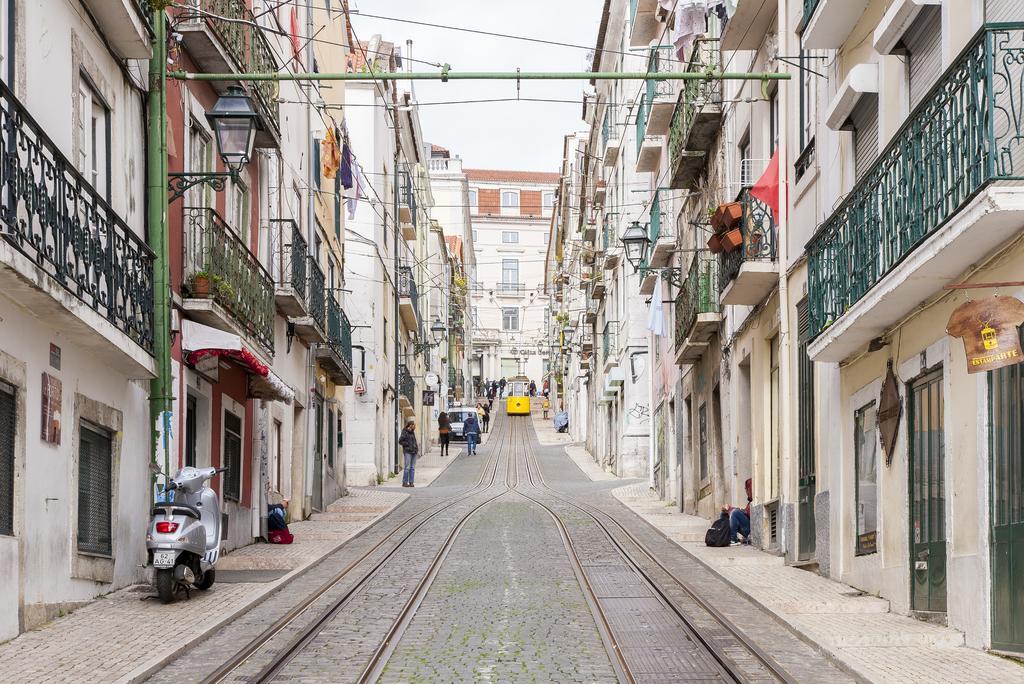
166, 527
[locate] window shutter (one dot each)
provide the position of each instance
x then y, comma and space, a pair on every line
232, 459
805, 394
8, 415
94, 492
865, 134
924, 42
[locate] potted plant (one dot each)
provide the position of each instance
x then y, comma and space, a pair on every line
715, 243
732, 239
199, 284
727, 216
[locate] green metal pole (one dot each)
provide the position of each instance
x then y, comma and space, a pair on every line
156, 187
494, 76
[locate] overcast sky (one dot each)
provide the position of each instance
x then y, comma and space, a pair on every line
507, 135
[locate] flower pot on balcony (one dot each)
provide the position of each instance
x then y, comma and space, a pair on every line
732, 240
200, 286
727, 216
715, 244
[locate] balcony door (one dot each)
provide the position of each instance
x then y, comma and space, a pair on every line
927, 495
509, 275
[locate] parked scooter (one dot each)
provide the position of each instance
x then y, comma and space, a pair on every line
184, 533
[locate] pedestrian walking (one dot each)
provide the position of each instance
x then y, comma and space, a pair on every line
501, 387
487, 417
443, 429
533, 388
410, 450
471, 428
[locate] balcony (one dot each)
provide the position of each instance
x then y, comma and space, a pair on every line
406, 391
827, 23
610, 241
222, 36
508, 289
125, 24
643, 21
407, 206
288, 266
663, 243
225, 286
648, 147
611, 136
658, 94
942, 196
408, 299
596, 289
335, 355
748, 25
312, 328
69, 257
608, 350
749, 273
697, 311
697, 118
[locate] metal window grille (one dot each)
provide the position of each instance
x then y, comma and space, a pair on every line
805, 390
232, 456
95, 483
8, 425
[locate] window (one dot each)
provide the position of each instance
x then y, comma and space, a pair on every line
238, 209
808, 99
772, 484
510, 237
548, 200
546, 236
923, 41
232, 457
474, 201
330, 437
200, 161
744, 152
865, 465
510, 318
510, 271
275, 456
509, 199
702, 427
94, 490
865, 134
476, 235
93, 138
773, 122
191, 408
8, 417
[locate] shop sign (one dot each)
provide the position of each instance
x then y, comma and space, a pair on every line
890, 407
989, 331
428, 397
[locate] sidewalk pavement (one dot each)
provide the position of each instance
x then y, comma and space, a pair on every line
124, 636
428, 467
856, 630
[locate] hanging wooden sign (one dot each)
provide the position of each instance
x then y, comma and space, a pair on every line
989, 329
890, 408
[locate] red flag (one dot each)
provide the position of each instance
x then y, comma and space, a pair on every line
296, 45
766, 188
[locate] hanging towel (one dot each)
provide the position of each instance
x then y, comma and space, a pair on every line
691, 21
346, 166
353, 202
330, 157
656, 314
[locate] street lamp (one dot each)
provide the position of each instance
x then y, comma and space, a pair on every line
636, 244
234, 121
437, 330
568, 331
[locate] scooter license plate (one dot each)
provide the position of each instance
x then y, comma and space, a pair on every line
163, 559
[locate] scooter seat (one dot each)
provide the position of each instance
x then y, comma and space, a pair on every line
176, 509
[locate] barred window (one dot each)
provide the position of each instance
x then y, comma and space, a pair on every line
8, 416
232, 456
95, 490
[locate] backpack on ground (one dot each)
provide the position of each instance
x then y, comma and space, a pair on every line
719, 533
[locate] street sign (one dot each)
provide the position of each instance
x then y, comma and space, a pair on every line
431, 379
360, 385
428, 397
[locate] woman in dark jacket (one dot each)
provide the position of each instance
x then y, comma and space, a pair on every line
443, 428
487, 416
410, 450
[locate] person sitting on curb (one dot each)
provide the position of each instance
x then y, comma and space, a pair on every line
410, 450
739, 518
471, 428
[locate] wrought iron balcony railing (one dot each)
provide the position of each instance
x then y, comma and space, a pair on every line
407, 288
695, 97
239, 32
698, 295
290, 267
809, 7
220, 266
339, 332
658, 227
659, 61
608, 340
317, 293
406, 385
451, 375
50, 213
506, 288
963, 136
759, 239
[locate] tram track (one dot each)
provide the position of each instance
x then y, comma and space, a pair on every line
726, 664
307, 633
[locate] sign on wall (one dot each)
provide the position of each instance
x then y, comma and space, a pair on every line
51, 395
988, 328
890, 406
428, 397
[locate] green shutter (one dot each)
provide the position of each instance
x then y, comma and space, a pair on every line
94, 491
805, 396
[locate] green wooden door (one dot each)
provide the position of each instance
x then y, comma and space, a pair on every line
1006, 406
927, 495
808, 487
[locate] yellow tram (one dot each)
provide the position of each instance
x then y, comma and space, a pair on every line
517, 402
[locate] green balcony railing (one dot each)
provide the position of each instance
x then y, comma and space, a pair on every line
315, 288
696, 96
760, 241
656, 226
641, 121
339, 332
658, 61
59, 221
805, 18
238, 31
964, 135
698, 295
220, 266
608, 340
406, 385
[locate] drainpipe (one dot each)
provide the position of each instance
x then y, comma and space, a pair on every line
160, 387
